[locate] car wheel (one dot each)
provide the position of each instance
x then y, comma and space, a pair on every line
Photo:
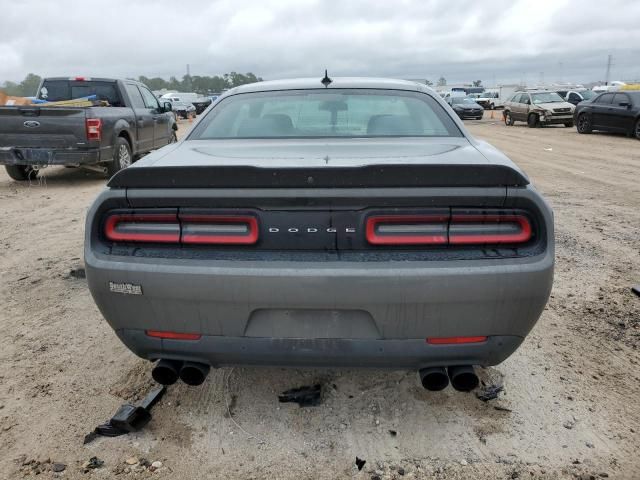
533, 120
122, 157
174, 137
492, 107
584, 123
508, 119
568, 124
21, 172
636, 131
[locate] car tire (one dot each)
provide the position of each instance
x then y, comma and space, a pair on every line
122, 157
508, 119
492, 107
21, 173
636, 130
478, 118
569, 124
533, 120
584, 123
174, 137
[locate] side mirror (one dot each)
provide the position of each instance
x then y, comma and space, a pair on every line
624, 104
166, 106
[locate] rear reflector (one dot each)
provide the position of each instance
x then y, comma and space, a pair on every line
94, 128
489, 228
454, 340
173, 335
407, 230
219, 229
148, 227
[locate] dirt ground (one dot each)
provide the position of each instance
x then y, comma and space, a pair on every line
570, 406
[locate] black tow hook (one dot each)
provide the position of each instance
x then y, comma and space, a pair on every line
128, 418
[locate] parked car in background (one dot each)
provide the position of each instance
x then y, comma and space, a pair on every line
125, 122
490, 100
577, 95
345, 222
183, 109
198, 101
611, 112
466, 107
538, 107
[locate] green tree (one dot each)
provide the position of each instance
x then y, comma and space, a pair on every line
442, 82
428, 83
477, 83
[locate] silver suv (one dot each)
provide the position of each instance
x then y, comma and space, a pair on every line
538, 107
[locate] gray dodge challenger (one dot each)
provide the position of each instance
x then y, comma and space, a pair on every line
322, 222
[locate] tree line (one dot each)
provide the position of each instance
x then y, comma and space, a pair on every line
200, 84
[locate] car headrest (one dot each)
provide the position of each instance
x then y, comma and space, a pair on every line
392, 125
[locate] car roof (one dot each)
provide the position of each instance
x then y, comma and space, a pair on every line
337, 82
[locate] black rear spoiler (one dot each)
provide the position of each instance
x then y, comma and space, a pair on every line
324, 177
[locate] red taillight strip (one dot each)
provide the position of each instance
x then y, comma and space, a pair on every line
94, 128
375, 239
114, 235
173, 335
523, 236
455, 340
244, 239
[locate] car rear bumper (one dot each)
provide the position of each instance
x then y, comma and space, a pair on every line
47, 156
313, 313
218, 351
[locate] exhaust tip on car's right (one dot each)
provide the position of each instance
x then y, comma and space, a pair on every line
193, 373
463, 378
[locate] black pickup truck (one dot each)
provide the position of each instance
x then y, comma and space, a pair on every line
129, 122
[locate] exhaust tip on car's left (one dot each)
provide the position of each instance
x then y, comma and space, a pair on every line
462, 377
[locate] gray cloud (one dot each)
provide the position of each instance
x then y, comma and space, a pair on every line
501, 40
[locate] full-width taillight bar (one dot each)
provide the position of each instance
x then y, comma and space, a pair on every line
469, 228
407, 229
147, 227
201, 229
219, 229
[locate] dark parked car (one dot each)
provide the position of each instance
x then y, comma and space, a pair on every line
466, 107
610, 112
349, 222
106, 137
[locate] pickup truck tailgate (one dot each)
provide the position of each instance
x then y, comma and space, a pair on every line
47, 127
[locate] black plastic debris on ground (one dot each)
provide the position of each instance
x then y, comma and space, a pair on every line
360, 463
636, 289
92, 464
307, 396
128, 418
489, 392
78, 273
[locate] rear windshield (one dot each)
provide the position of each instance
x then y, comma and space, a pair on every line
327, 113
58, 90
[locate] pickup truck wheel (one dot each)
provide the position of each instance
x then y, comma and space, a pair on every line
492, 107
636, 131
174, 137
584, 123
21, 172
121, 156
533, 121
508, 119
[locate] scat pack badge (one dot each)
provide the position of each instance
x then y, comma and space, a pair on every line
125, 288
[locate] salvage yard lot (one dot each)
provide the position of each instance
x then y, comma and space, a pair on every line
570, 402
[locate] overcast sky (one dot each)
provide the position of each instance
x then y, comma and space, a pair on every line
495, 40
